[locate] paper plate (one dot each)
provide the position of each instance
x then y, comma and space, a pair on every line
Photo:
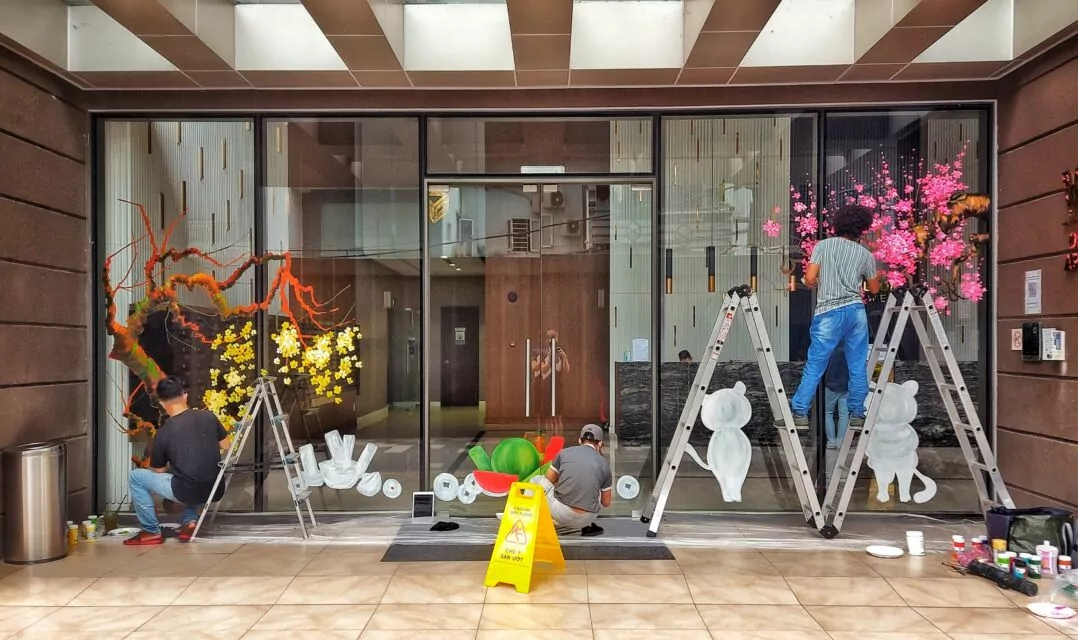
1049, 610
884, 551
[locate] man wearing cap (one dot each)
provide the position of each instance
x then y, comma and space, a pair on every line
579, 483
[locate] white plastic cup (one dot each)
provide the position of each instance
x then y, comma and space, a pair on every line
915, 543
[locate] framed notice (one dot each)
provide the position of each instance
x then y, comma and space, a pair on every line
1033, 292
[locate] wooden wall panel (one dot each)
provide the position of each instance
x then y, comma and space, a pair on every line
45, 282
1037, 444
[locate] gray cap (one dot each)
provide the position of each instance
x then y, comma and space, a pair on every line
591, 433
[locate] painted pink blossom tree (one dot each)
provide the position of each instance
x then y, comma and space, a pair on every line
920, 232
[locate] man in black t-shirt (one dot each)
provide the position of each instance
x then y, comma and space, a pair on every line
183, 464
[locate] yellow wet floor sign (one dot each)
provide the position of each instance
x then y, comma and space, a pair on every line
526, 536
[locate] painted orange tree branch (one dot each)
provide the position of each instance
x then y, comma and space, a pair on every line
160, 293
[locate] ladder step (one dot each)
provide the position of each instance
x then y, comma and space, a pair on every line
278, 419
967, 427
982, 466
935, 347
291, 458
301, 496
950, 387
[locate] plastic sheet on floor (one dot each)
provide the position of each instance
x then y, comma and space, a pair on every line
678, 530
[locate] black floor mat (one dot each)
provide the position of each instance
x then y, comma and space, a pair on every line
481, 552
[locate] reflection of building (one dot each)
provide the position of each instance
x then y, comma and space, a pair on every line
619, 231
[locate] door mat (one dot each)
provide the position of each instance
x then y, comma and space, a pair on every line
440, 552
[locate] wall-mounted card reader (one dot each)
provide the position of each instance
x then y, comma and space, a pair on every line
1041, 343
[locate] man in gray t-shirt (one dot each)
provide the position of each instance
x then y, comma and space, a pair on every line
579, 483
840, 265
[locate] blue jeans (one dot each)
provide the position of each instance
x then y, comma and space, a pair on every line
848, 325
835, 400
144, 485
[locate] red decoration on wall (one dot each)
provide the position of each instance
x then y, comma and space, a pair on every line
1070, 193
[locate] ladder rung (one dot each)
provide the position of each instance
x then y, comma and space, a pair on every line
967, 427
291, 458
279, 419
982, 466
301, 496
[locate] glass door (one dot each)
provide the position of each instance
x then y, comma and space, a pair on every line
524, 327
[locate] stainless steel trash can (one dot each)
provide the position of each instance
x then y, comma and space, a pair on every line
34, 486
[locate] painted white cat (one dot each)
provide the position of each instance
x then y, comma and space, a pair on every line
729, 451
892, 445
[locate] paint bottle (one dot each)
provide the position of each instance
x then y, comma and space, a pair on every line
1034, 569
999, 547
89, 531
958, 547
1049, 556
72, 534
1064, 564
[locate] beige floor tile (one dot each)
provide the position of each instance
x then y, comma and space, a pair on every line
870, 619
984, 621
284, 617
335, 590
944, 592
633, 589
299, 548
667, 634
533, 634
535, 616
417, 634
572, 568
26, 591
723, 561
169, 566
446, 589
726, 635
739, 589
307, 634
223, 622
40, 635
897, 636
749, 617
448, 617
85, 566
867, 592
1004, 636
646, 616
233, 591
125, 592
552, 589
187, 634
338, 561
111, 620
252, 565
633, 567
442, 568
14, 619
836, 564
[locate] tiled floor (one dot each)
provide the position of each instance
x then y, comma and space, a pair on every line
324, 591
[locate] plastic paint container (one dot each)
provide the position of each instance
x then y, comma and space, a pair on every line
72, 534
1064, 564
1034, 568
915, 543
998, 547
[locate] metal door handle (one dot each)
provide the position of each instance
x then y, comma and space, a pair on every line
528, 378
553, 377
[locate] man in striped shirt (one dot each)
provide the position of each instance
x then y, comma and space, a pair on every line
839, 266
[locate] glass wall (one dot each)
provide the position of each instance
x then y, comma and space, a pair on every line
501, 283
168, 185
863, 150
724, 178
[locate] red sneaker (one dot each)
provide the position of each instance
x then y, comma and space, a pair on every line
187, 532
144, 539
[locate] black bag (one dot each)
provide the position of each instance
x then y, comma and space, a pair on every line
1024, 529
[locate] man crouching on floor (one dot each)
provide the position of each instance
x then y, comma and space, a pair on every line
183, 465
579, 483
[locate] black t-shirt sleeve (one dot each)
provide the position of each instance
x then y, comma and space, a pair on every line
221, 433
159, 451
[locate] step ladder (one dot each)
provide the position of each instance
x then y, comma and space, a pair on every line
264, 396
744, 298
903, 305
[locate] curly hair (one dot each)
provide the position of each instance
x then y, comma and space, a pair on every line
852, 221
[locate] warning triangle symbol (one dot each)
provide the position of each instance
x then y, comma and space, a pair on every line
517, 535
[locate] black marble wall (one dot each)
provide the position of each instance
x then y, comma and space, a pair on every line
633, 411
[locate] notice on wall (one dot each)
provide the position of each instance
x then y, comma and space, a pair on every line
640, 350
1016, 339
459, 334
1033, 292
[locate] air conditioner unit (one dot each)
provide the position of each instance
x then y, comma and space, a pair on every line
554, 200
572, 227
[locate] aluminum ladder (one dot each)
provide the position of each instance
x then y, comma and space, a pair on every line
744, 298
916, 305
264, 396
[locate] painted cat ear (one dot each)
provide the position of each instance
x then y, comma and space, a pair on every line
911, 386
739, 387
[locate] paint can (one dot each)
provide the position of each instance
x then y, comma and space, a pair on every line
72, 534
1064, 564
915, 543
